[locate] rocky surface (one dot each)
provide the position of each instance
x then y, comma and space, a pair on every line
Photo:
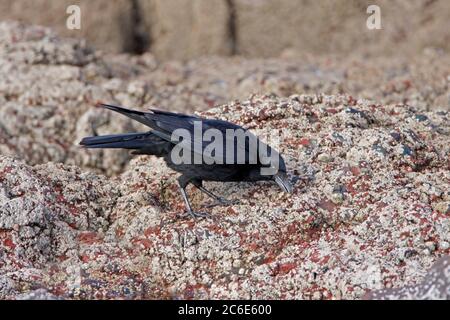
114, 36
370, 210
339, 27
49, 84
435, 286
182, 29
47, 88
187, 29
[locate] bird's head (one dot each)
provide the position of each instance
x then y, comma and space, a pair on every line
281, 177
275, 171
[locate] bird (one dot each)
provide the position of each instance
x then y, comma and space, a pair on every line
175, 136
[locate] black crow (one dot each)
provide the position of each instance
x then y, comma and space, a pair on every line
167, 139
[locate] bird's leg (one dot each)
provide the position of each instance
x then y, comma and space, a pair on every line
187, 202
218, 199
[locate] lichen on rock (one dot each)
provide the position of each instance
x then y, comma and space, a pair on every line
370, 208
129, 232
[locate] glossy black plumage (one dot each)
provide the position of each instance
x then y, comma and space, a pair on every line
163, 137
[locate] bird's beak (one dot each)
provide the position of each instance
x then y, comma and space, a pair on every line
282, 180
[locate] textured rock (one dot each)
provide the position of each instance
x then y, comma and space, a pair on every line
186, 29
268, 27
182, 29
107, 24
126, 236
41, 205
435, 286
49, 84
39, 294
370, 209
421, 81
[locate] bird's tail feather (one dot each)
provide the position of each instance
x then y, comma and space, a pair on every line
133, 114
150, 119
125, 141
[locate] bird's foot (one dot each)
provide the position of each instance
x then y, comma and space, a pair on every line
222, 202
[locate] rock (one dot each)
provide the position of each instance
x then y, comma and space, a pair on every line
41, 46
112, 36
323, 157
174, 29
186, 29
269, 28
374, 217
124, 237
444, 245
435, 286
39, 294
41, 206
43, 121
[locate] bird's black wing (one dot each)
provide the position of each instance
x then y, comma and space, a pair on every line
140, 142
169, 122
166, 124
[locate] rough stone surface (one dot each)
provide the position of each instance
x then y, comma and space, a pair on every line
49, 84
112, 20
370, 209
330, 27
182, 29
185, 29
435, 286
362, 220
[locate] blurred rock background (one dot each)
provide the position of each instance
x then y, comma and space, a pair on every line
183, 29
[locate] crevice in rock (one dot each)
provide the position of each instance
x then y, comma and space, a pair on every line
232, 32
139, 41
